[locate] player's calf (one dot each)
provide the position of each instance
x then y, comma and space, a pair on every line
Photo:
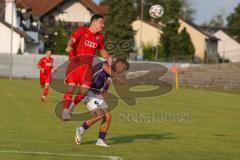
97, 115
103, 130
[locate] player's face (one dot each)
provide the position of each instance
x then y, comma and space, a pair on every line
120, 68
48, 54
99, 24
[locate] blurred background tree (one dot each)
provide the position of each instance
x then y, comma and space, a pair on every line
174, 44
216, 21
56, 37
118, 21
233, 24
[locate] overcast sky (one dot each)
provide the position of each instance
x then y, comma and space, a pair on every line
206, 9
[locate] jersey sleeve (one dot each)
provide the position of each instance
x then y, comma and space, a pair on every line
77, 33
40, 63
107, 85
101, 44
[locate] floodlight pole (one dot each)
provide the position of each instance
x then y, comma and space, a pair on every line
141, 19
11, 45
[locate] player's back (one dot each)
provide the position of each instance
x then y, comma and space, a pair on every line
99, 76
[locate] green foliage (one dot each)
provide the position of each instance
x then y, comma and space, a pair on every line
118, 22
234, 22
147, 5
57, 38
186, 43
216, 21
149, 53
186, 8
187, 11
174, 44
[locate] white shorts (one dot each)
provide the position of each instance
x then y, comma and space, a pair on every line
94, 101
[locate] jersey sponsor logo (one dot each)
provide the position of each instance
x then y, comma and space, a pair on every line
90, 44
48, 64
97, 38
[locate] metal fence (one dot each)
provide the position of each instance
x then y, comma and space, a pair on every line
24, 66
223, 76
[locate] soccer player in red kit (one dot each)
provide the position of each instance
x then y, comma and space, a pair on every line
82, 48
45, 65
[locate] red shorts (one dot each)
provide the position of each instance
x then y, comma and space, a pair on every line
81, 75
45, 78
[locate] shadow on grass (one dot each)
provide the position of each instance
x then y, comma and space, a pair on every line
132, 138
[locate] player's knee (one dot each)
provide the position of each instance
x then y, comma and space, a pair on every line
70, 89
99, 114
83, 91
108, 117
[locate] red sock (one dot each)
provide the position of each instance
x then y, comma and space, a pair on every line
45, 92
78, 99
67, 99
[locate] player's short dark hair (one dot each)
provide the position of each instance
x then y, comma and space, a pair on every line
122, 61
96, 17
49, 50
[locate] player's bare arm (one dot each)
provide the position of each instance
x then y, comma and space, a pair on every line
106, 88
40, 68
70, 44
106, 56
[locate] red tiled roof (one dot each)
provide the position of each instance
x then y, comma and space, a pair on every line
104, 9
42, 7
39, 7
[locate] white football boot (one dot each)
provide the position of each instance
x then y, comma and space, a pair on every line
101, 143
78, 136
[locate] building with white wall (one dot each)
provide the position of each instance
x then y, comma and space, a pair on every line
228, 47
205, 45
16, 31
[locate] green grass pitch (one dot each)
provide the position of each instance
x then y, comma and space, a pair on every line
30, 130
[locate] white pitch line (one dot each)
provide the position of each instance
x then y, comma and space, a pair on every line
61, 154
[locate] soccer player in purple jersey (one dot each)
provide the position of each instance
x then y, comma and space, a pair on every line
94, 100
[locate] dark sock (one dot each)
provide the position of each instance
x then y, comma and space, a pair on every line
102, 135
85, 126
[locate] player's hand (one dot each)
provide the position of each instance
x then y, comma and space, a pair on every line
53, 70
42, 70
69, 49
109, 60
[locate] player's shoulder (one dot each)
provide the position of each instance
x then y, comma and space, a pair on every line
42, 58
81, 29
100, 35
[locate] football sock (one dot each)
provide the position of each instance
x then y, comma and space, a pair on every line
102, 135
67, 99
83, 127
45, 92
78, 99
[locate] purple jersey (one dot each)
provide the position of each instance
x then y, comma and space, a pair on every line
99, 76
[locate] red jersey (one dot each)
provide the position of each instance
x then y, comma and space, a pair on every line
86, 43
46, 64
